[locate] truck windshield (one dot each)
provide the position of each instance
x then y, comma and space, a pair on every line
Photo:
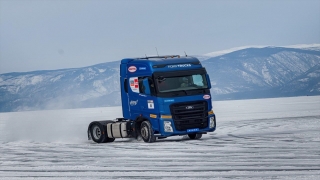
182, 83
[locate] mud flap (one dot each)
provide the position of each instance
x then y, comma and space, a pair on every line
89, 134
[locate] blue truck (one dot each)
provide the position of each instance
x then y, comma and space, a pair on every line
162, 96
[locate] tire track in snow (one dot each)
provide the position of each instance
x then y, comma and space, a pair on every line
269, 146
251, 149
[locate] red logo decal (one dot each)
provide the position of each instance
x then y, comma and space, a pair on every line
132, 69
206, 97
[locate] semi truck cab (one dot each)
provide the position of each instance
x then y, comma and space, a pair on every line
162, 96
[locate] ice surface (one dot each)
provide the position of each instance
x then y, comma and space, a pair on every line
275, 138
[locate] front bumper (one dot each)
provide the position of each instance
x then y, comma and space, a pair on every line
164, 133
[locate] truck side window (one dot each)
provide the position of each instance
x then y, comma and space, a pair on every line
152, 89
141, 86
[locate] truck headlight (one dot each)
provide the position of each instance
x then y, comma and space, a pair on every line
167, 126
211, 122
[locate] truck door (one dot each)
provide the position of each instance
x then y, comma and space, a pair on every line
134, 91
140, 101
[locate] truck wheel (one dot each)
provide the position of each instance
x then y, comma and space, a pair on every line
195, 136
97, 134
147, 132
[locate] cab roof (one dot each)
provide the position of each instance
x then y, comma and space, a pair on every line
158, 61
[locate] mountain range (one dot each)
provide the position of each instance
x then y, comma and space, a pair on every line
243, 73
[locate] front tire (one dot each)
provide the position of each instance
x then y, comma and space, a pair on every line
146, 132
195, 136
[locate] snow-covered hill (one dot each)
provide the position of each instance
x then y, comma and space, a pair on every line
265, 72
92, 86
247, 72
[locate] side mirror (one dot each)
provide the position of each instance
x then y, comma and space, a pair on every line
208, 81
146, 86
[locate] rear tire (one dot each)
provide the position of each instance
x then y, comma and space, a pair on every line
195, 136
98, 134
146, 132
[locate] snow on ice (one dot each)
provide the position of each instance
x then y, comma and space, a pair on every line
276, 138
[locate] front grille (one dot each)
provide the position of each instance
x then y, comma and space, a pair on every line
189, 115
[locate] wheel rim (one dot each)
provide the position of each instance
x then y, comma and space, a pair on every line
144, 132
96, 131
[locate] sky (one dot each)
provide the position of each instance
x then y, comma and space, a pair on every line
48, 34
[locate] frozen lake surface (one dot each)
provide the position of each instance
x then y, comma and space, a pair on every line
276, 138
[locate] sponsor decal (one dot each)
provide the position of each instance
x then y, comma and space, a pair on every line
143, 95
179, 66
132, 69
134, 84
153, 115
169, 100
143, 68
150, 104
206, 96
193, 130
133, 103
